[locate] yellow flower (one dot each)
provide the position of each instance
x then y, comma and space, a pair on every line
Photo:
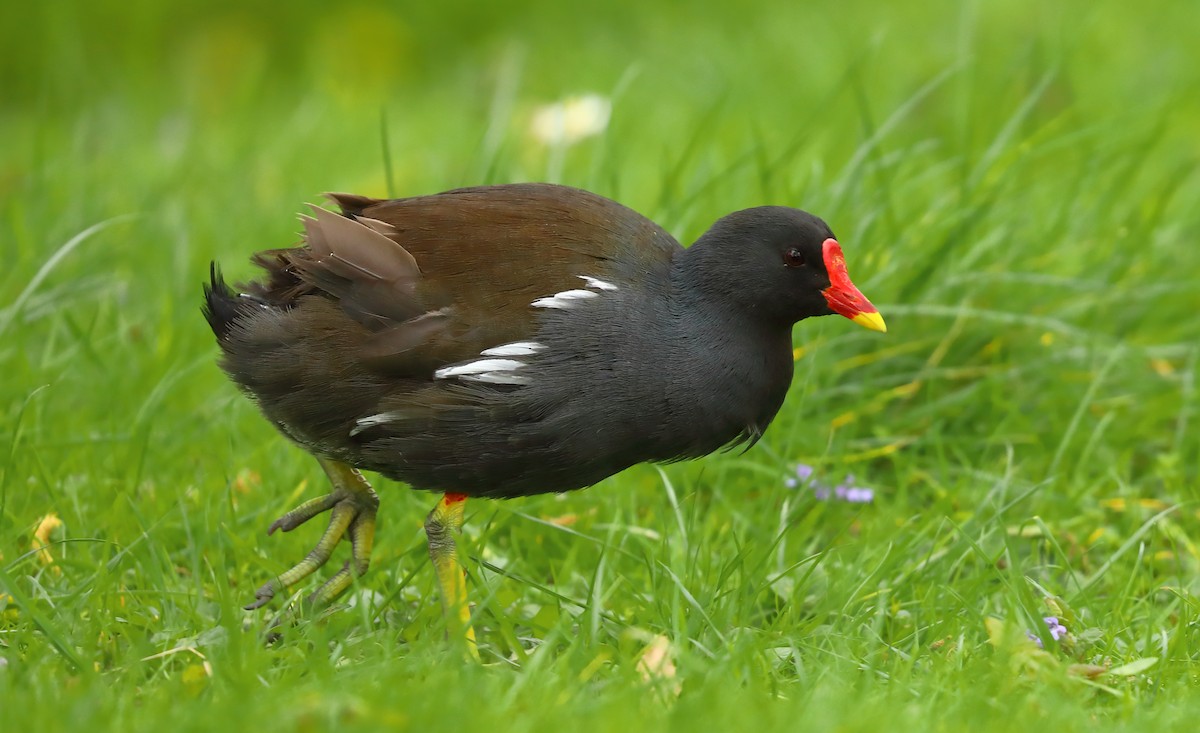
46, 526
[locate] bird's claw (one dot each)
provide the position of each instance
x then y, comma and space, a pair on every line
353, 505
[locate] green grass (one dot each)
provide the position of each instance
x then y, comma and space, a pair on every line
1014, 184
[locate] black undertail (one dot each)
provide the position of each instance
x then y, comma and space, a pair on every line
223, 307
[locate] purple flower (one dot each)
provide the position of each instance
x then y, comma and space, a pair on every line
845, 491
860, 495
1057, 630
803, 473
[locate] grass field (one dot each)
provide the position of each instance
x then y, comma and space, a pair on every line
1014, 184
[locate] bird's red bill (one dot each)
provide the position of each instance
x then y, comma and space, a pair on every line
842, 295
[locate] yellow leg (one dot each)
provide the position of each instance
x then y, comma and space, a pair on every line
352, 507
441, 526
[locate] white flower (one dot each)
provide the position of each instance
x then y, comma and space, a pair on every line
572, 119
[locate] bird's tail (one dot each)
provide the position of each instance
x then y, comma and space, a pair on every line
222, 307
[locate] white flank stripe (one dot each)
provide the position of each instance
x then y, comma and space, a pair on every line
516, 348
372, 420
497, 378
478, 367
563, 299
597, 283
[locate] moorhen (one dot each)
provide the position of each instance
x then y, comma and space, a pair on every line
502, 341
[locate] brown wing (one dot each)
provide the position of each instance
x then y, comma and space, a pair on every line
437, 279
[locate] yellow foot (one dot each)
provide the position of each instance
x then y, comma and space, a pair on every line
352, 505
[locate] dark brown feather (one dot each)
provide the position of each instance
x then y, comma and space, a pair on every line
464, 254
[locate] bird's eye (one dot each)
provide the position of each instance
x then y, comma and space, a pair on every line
793, 257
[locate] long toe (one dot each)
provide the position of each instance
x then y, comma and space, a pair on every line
331, 588
353, 505
350, 517
305, 512
262, 597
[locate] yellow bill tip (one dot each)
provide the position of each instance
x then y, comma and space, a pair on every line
873, 321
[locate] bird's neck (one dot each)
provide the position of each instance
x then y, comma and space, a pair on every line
698, 276
746, 357
703, 283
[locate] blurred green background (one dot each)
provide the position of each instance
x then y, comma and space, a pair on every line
1015, 186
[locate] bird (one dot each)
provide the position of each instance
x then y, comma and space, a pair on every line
509, 340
